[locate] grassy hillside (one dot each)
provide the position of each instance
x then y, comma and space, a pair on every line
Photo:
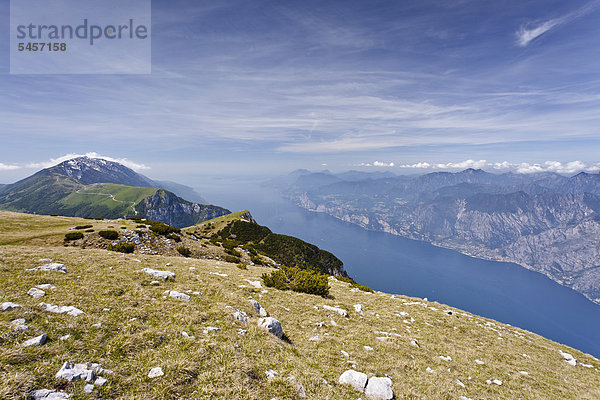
130, 326
104, 199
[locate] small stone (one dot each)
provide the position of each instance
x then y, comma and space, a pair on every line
368, 348
18, 321
238, 315
36, 341
88, 388
159, 274
98, 325
271, 373
272, 325
479, 362
36, 293
65, 337
338, 310
106, 309
155, 283
51, 267
497, 382
356, 379
379, 388
414, 343
429, 370
256, 284
7, 306
49, 394
345, 353
211, 329
46, 286
155, 372
69, 310
315, 338
446, 358
359, 309
100, 381
258, 308
459, 383
178, 295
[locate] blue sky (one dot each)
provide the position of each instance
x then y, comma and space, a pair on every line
265, 87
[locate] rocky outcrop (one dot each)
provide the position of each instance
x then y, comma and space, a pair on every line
166, 207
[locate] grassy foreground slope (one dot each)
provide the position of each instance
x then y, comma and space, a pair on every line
140, 329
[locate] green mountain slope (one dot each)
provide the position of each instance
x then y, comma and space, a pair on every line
132, 324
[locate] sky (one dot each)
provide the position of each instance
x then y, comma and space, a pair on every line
242, 88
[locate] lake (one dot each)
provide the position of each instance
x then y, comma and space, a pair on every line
502, 291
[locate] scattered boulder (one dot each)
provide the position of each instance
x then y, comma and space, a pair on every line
270, 373
75, 372
155, 372
46, 286
211, 329
36, 341
272, 326
299, 388
368, 348
258, 308
446, 358
338, 310
49, 394
359, 309
178, 295
379, 388
69, 310
7, 306
569, 359
36, 293
159, 274
88, 388
51, 267
19, 325
238, 315
357, 380
256, 284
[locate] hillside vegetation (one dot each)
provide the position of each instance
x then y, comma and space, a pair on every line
133, 323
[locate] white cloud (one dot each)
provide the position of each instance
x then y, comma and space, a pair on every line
377, 164
54, 161
522, 168
6, 167
529, 32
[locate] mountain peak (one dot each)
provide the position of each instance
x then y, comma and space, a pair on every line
89, 170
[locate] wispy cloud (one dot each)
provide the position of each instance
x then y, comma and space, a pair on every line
54, 161
6, 167
530, 31
522, 168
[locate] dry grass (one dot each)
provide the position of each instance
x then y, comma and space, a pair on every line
143, 330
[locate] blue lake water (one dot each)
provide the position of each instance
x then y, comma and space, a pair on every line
503, 291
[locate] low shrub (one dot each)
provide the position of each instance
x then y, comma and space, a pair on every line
109, 234
257, 260
160, 228
298, 280
141, 226
242, 266
89, 230
84, 226
231, 259
184, 251
73, 236
122, 247
174, 237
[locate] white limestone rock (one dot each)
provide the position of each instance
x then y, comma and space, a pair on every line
238, 315
7, 306
159, 274
272, 326
359, 309
177, 295
258, 308
379, 388
51, 267
69, 310
357, 380
36, 293
155, 372
46, 286
36, 341
338, 310
74, 372
49, 394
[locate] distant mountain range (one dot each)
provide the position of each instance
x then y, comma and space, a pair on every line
93, 187
545, 222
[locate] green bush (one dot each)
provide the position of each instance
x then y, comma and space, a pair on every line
141, 226
84, 226
184, 251
257, 260
122, 247
231, 259
298, 280
242, 266
73, 236
160, 228
174, 237
109, 234
89, 230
